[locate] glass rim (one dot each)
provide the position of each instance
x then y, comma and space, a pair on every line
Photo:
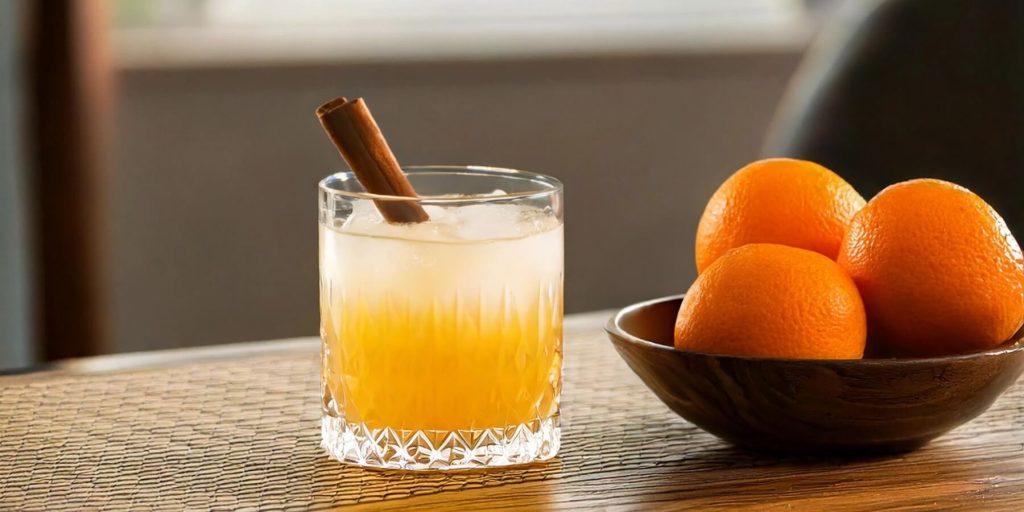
546, 185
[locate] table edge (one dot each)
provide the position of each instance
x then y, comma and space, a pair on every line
130, 361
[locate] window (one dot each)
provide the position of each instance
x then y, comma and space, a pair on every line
169, 32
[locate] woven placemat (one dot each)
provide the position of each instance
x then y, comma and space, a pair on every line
244, 434
236, 434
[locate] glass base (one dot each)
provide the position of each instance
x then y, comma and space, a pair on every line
354, 443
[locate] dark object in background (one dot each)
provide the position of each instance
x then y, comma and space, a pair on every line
906, 89
853, 407
68, 104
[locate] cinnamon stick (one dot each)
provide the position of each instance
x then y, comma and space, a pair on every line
353, 131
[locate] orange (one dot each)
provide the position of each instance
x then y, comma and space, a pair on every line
779, 201
937, 268
769, 300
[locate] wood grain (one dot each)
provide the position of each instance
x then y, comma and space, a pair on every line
242, 433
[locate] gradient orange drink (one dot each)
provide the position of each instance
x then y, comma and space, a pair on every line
442, 341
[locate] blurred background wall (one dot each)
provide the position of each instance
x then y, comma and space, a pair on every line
218, 155
208, 213
216, 171
159, 158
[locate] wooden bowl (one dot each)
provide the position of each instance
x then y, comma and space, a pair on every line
811, 406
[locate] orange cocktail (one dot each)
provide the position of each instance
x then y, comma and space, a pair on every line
442, 341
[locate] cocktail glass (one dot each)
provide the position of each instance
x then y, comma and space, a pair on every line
442, 340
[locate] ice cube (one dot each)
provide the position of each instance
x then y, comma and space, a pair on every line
365, 217
486, 221
365, 208
440, 214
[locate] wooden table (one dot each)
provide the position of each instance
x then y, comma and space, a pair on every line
237, 427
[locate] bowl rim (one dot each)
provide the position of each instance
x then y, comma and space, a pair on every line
614, 328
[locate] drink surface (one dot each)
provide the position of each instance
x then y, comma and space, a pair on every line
452, 324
